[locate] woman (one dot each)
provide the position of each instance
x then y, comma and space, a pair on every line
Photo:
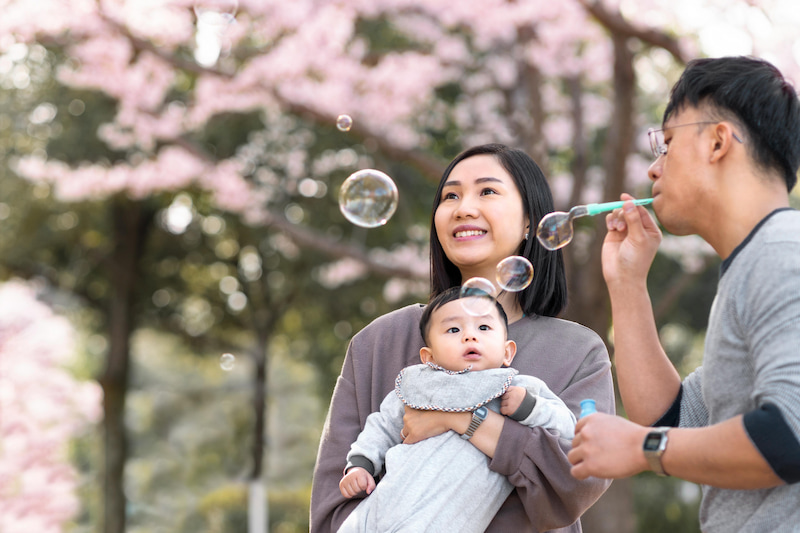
489, 199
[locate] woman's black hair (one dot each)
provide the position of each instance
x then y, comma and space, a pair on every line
753, 93
547, 293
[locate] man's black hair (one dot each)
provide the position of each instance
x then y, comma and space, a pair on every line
449, 295
753, 94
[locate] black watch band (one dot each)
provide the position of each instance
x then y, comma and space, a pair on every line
478, 416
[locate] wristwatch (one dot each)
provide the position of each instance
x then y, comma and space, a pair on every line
654, 445
478, 416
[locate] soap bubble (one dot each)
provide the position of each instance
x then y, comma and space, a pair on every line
368, 198
226, 362
514, 273
554, 231
344, 122
477, 296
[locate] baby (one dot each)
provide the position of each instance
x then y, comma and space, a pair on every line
444, 483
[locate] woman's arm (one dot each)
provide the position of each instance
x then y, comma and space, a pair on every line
533, 459
342, 426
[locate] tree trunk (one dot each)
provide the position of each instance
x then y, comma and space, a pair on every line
588, 294
130, 224
257, 502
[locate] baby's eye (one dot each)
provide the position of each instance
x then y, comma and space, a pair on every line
453, 330
485, 327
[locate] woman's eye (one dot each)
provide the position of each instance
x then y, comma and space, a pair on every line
449, 196
488, 191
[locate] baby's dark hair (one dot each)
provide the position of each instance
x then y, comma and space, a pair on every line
447, 296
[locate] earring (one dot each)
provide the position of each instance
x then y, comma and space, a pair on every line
526, 236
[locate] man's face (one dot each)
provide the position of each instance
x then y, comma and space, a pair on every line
681, 175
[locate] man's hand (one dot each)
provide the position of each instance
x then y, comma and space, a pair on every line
512, 399
630, 244
607, 446
356, 481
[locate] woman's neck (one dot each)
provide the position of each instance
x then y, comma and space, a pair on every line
511, 306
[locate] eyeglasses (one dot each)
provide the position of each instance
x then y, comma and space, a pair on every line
656, 137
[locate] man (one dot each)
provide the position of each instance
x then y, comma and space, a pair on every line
726, 160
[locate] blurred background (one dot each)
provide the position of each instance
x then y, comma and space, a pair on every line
177, 282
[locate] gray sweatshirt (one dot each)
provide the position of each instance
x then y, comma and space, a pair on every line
751, 367
571, 359
442, 483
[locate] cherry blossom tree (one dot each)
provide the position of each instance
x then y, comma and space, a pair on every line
43, 406
575, 83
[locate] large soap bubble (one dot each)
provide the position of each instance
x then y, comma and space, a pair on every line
514, 273
368, 198
477, 296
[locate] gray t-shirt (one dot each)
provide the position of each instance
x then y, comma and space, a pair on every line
751, 367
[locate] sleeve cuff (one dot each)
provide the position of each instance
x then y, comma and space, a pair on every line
361, 462
672, 417
525, 408
775, 440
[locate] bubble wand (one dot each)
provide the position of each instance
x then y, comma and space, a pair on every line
555, 229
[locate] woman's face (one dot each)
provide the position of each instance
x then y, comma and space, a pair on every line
480, 219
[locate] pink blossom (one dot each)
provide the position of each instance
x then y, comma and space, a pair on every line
43, 406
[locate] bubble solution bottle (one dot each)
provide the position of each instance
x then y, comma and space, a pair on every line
587, 407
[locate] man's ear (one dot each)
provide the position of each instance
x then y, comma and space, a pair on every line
426, 355
510, 352
724, 138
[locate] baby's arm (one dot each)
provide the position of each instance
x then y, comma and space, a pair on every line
539, 406
356, 481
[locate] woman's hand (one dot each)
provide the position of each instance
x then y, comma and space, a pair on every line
420, 425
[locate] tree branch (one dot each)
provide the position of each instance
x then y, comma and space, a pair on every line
615, 23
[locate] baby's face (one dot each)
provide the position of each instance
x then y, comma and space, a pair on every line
457, 339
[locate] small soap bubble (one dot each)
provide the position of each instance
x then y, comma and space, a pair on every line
368, 198
344, 122
477, 296
514, 273
555, 230
227, 361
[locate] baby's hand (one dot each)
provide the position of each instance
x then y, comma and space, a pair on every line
512, 399
356, 481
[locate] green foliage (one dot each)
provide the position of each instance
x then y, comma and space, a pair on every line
666, 505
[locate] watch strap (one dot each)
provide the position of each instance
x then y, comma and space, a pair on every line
653, 455
478, 416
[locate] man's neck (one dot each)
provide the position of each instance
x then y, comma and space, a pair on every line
740, 208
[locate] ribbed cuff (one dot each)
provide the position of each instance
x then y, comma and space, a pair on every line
525, 408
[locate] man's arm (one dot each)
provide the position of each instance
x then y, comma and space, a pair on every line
648, 382
721, 455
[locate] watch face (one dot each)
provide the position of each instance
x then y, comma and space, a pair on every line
652, 441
